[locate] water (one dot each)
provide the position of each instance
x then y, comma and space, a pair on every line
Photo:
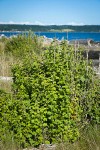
9, 34
95, 36
71, 35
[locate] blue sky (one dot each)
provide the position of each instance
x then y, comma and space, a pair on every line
47, 12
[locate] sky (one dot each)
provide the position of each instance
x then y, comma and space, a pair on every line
50, 12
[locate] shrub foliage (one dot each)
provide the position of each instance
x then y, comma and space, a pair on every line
51, 97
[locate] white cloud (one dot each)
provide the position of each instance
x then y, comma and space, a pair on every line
12, 22
26, 22
76, 23
40, 23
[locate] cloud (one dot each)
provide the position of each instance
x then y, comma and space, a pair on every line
12, 22
26, 22
38, 23
41, 23
76, 23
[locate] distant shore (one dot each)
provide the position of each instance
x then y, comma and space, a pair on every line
48, 28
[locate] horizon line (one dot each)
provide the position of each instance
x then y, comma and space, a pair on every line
50, 24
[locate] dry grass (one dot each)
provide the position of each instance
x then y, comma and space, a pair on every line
5, 65
6, 86
6, 62
89, 140
5, 71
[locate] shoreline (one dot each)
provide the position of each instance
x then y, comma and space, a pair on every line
51, 31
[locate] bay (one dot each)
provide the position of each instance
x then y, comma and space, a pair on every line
95, 36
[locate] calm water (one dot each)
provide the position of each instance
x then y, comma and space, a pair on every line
61, 35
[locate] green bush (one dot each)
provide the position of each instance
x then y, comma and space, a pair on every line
52, 96
23, 45
5, 114
60, 94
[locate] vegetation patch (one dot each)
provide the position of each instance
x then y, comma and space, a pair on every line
55, 93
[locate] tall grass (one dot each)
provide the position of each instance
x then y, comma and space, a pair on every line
6, 62
89, 140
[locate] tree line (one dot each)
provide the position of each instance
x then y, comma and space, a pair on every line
35, 28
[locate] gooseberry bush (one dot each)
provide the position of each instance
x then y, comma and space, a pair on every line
52, 96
